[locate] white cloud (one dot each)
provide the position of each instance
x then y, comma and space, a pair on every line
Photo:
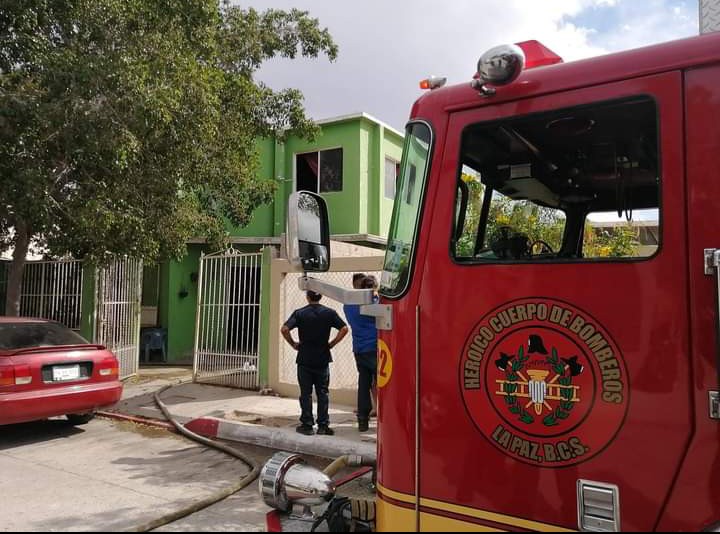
652, 21
387, 47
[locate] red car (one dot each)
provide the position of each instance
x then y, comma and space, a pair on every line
47, 370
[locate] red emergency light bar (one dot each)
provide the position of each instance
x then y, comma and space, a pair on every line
538, 55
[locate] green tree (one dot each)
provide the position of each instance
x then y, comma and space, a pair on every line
466, 243
538, 224
128, 126
527, 218
620, 242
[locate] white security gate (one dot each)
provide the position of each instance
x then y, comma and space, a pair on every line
227, 330
53, 290
119, 291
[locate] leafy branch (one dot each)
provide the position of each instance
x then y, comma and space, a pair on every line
564, 409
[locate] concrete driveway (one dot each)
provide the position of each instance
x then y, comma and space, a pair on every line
108, 476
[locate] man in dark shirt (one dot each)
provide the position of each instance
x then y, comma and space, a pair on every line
314, 323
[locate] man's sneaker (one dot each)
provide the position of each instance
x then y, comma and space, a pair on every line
306, 430
325, 431
363, 426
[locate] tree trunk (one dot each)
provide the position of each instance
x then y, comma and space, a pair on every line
14, 287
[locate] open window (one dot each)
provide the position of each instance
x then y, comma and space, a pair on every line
320, 172
573, 184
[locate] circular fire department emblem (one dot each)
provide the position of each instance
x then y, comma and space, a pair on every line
544, 382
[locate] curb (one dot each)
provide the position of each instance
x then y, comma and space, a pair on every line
280, 439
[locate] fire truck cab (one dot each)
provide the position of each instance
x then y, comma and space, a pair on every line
550, 298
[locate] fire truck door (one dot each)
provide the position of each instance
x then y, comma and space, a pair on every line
695, 502
554, 334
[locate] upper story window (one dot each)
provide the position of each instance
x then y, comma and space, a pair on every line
320, 172
572, 184
392, 171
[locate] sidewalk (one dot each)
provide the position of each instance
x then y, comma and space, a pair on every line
243, 416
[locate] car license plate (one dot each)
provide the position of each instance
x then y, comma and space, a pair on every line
66, 372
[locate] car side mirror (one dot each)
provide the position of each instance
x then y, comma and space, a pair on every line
308, 233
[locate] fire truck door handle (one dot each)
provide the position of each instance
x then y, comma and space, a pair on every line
712, 260
712, 267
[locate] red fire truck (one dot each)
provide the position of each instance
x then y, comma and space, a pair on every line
549, 352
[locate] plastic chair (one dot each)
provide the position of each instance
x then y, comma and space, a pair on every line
153, 339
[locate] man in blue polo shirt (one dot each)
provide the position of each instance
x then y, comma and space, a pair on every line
364, 336
314, 323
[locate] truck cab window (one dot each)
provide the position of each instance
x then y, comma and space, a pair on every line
405, 224
573, 184
607, 235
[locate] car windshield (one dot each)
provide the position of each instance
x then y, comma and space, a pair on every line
15, 336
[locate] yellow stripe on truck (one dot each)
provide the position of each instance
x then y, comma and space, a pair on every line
403, 519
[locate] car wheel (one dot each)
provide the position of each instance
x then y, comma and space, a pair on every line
80, 418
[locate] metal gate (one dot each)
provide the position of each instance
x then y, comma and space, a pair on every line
53, 290
227, 330
119, 291
50, 290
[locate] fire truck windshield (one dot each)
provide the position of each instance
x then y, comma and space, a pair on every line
406, 212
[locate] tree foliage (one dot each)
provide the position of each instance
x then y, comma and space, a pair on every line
129, 126
538, 224
619, 242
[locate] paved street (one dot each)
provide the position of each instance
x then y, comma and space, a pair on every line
116, 476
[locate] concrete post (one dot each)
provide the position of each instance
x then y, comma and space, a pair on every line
266, 306
709, 16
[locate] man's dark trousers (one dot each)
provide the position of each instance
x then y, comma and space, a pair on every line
367, 368
319, 378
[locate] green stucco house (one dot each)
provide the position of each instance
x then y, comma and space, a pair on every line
353, 164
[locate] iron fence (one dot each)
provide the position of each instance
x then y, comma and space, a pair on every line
227, 332
119, 288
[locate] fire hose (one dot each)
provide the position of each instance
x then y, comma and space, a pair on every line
342, 515
214, 498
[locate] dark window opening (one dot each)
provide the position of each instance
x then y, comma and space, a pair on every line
151, 285
243, 319
320, 172
307, 172
411, 185
580, 183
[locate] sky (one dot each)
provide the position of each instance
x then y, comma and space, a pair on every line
388, 46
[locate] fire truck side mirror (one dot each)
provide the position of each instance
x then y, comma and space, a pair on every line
308, 233
501, 65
